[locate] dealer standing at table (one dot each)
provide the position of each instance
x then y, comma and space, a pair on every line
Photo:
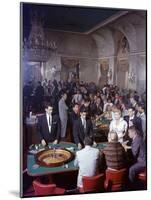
49, 126
82, 128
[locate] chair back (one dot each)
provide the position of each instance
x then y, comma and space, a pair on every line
43, 189
115, 180
94, 183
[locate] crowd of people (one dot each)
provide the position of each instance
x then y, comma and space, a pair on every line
122, 108
78, 106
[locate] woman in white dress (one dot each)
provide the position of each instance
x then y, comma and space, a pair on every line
118, 125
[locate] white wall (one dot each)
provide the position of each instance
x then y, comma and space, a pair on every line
132, 25
76, 46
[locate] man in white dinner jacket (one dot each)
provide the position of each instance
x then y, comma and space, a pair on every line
87, 160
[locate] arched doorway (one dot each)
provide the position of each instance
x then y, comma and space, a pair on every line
70, 68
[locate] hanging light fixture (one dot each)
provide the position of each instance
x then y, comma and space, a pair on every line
37, 47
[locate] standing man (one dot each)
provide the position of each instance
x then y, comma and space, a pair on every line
88, 160
132, 119
49, 126
138, 151
63, 114
77, 98
74, 116
82, 128
141, 110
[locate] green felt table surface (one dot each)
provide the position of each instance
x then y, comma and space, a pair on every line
40, 170
103, 121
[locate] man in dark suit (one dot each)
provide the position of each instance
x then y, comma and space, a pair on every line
139, 154
73, 117
97, 107
86, 106
132, 119
49, 126
82, 128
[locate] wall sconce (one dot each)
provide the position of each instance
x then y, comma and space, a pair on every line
131, 77
109, 74
54, 71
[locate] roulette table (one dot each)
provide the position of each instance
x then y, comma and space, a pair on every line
103, 124
42, 167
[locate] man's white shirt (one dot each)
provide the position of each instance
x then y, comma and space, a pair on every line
49, 124
87, 161
83, 122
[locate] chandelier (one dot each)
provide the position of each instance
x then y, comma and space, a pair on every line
37, 47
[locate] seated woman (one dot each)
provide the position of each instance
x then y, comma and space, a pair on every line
114, 153
118, 125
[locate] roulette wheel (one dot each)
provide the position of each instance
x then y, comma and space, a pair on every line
104, 126
53, 157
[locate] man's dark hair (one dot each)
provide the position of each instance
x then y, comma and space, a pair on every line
131, 107
132, 128
83, 109
86, 100
75, 104
142, 106
63, 93
109, 99
88, 141
48, 104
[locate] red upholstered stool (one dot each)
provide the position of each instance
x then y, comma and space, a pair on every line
46, 189
92, 184
115, 180
142, 179
142, 176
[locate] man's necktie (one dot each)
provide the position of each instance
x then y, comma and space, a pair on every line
49, 123
84, 124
